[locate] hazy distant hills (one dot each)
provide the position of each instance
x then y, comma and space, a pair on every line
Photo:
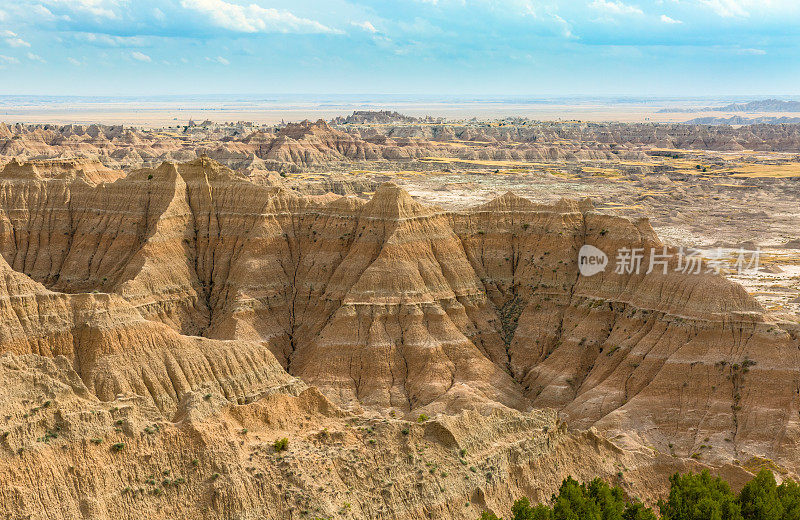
752, 107
764, 105
739, 120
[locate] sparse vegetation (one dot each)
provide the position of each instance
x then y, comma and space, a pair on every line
281, 444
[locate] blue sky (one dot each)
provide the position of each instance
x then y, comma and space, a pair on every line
470, 47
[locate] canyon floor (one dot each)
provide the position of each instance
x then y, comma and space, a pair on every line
401, 299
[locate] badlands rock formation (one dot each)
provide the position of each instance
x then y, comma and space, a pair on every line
215, 459
173, 323
318, 145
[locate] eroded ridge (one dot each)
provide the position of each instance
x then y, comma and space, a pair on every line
388, 304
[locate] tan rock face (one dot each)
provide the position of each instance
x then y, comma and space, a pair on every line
188, 279
310, 145
675, 359
65, 454
117, 352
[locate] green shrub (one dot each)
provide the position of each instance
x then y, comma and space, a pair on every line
593, 501
760, 499
698, 497
281, 444
522, 510
691, 497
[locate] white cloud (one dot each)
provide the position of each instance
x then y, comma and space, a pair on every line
667, 19
752, 52
140, 56
728, 8
105, 40
13, 40
99, 8
367, 26
744, 8
35, 57
3, 16
253, 18
615, 7
220, 60
75, 62
566, 28
96, 8
8, 59
529, 9
17, 42
42, 14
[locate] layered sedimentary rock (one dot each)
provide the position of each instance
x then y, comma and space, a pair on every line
117, 352
389, 306
685, 362
66, 454
312, 145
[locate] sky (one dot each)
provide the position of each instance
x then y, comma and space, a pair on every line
409, 47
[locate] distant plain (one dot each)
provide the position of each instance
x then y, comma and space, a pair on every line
164, 111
